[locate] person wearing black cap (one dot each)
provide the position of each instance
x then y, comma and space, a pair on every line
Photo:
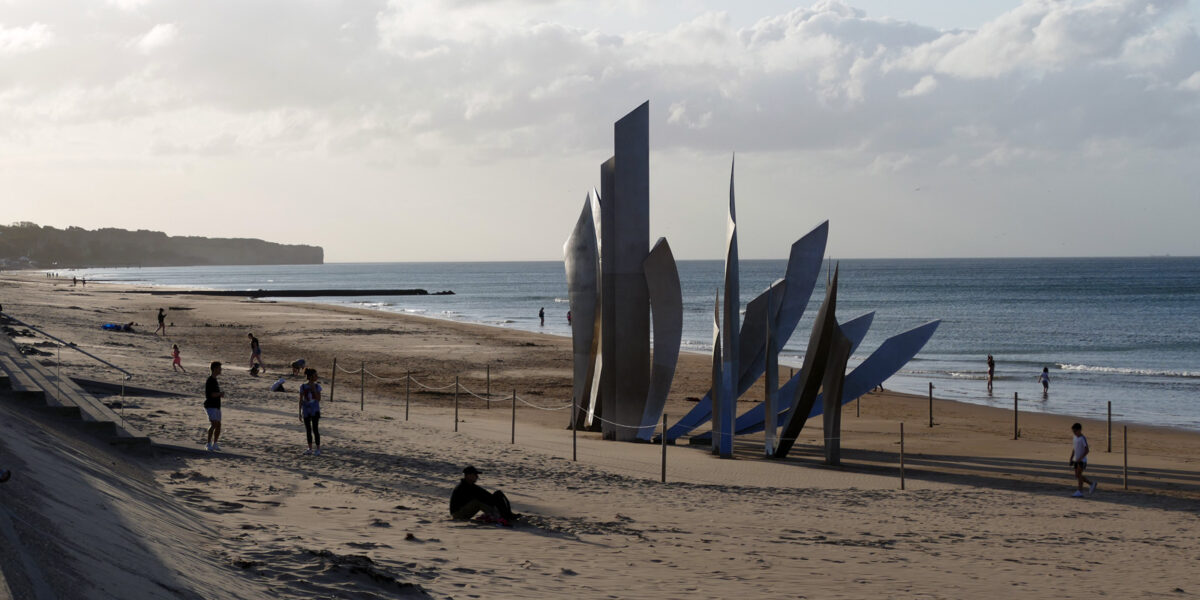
467, 499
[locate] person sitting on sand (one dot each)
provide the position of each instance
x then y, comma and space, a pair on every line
1079, 453
176, 362
467, 499
310, 411
212, 405
298, 366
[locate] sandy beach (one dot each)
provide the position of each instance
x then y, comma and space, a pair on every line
980, 515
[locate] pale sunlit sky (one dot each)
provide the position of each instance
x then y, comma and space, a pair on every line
473, 129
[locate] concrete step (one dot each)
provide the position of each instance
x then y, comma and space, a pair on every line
22, 385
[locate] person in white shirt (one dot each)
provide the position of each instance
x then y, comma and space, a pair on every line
1079, 452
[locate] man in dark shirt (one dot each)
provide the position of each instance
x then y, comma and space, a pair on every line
468, 499
212, 405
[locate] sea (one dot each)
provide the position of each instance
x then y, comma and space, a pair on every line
1119, 330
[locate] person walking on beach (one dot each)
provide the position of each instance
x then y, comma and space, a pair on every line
212, 405
991, 362
162, 322
468, 499
542, 315
1045, 379
1079, 452
255, 353
310, 411
176, 363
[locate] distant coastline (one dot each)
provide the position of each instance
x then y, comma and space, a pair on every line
29, 246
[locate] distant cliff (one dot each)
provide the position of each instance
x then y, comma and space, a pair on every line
27, 244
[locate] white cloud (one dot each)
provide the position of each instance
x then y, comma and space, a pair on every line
159, 36
128, 5
927, 84
1191, 83
19, 40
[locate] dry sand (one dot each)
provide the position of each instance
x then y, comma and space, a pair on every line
982, 515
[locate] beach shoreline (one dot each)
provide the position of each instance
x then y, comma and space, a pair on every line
980, 509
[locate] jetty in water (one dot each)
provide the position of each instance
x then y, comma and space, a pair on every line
293, 293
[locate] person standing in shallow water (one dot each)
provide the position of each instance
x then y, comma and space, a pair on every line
1045, 379
542, 315
991, 362
310, 411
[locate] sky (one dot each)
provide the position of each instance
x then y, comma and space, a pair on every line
460, 130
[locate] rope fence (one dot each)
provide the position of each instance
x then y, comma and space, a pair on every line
656, 431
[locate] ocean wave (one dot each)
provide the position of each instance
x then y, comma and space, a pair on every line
968, 375
1128, 371
561, 300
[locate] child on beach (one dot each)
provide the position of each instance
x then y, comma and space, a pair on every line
176, 363
1045, 379
212, 405
1079, 452
310, 411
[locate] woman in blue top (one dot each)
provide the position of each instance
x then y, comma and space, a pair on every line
310, 411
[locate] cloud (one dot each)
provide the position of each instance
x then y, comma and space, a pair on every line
1191, 83
927, 84
19, 40
159, 36
518, 78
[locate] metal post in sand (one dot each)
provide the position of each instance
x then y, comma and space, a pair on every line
931, 404
901, 455
407, 381
1109, 426
362, 386
513, 438
574, 431
1016, 432
664, 448
333, 380
1125, 451
456, 403
488, 393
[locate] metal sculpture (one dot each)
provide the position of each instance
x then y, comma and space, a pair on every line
804, 264
815, 359
726, 405
615, 282
716, 359
624, 235
752, 421
885, 361
666, 309
582, 258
